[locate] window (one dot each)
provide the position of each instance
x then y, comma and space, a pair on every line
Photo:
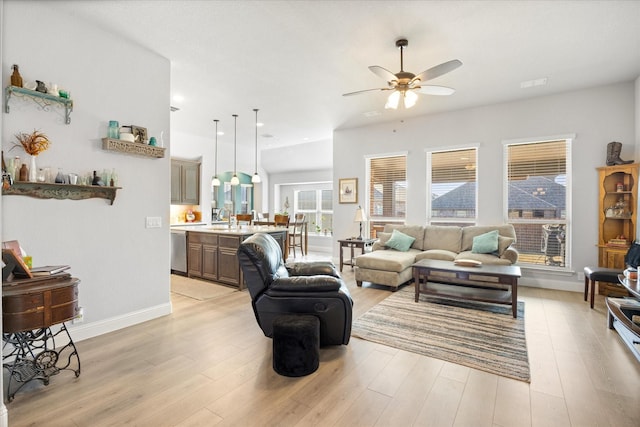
538, 200
387, 191
452, 187
317, 205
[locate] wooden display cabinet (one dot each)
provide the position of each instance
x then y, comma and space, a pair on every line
618, 200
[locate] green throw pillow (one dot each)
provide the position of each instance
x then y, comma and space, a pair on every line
400, 241
486, 243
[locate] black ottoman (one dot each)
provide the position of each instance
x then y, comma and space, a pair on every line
296, 345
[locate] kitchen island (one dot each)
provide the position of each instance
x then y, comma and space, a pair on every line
211, 251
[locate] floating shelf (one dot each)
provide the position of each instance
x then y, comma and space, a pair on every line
44, 100
136, 148
44, 190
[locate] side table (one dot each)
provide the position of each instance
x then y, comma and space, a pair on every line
353, 244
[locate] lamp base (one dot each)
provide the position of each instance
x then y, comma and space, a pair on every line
360, 236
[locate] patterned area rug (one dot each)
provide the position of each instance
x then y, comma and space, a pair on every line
474, 334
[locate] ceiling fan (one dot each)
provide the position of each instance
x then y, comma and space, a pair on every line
405, 85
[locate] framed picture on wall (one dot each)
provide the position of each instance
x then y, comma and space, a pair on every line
139, 134
348, 190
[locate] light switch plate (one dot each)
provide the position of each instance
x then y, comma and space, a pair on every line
153, 222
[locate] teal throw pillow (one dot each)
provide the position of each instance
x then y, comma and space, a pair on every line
486, 243
400, 241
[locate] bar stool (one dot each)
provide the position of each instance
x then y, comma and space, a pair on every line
598, 274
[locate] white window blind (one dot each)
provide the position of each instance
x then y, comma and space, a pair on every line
453, 189
537, 200
387, 191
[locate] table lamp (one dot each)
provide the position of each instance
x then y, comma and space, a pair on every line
359, 218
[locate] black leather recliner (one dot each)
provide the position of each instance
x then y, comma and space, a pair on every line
298, 288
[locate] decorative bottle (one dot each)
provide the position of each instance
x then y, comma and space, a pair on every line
16, 78
24, 173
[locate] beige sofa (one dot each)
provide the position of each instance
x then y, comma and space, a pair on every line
392, 268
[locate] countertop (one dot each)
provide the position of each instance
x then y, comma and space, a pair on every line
241, 230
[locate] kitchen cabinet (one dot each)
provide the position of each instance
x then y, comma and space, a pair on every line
185, 182
202, 255
212, 253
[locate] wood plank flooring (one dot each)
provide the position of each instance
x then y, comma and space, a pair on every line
209, 364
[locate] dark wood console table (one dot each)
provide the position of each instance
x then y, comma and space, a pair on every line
619, 316
362, 244
32, 349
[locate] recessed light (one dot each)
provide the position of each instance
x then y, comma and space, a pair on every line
259, 124
220, 132
178, 98
371, 113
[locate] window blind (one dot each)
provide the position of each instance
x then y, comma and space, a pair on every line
388, 187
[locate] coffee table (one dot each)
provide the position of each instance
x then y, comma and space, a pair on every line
464, 287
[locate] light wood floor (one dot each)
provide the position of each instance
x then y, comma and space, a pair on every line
209, 364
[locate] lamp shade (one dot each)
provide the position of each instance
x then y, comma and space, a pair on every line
215, 182
235, 180
360, 216
393, 100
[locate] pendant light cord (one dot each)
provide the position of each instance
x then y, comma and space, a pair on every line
235, 145
215, 168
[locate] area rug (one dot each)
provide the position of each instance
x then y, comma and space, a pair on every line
198, 289
478, 335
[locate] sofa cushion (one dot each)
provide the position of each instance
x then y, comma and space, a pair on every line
415, 231
486, 243
400, 241
445, 237
504, 243
395, 261
383, 238
468, 233
440, 254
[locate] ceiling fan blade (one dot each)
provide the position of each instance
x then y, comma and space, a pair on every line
383, 72
363, 91
437, 71
435, 90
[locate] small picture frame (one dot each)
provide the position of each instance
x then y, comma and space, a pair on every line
348, 190
139, 134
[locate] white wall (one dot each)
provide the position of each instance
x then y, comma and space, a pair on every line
194, 147
124, 267
597, 116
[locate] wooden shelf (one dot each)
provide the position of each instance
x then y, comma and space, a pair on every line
44, 190
44, 100
136, 148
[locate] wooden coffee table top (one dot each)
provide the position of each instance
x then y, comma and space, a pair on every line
484, 269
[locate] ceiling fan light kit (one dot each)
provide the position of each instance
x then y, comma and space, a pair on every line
405, 84
256, 178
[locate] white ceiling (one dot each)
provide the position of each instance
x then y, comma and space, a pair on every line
294, 59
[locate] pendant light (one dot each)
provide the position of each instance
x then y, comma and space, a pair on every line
234, 179
216, 182
256, 178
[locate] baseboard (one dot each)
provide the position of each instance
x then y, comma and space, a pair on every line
85, 331
545, 283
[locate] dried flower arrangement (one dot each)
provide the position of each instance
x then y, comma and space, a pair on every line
33, 143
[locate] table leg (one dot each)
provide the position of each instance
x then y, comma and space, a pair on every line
416, 282
341, 256
352, 254
514, 297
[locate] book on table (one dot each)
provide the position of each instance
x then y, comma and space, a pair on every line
49, 270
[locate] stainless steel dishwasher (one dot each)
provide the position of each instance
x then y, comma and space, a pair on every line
178, 251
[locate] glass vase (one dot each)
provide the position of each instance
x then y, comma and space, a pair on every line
33, 169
